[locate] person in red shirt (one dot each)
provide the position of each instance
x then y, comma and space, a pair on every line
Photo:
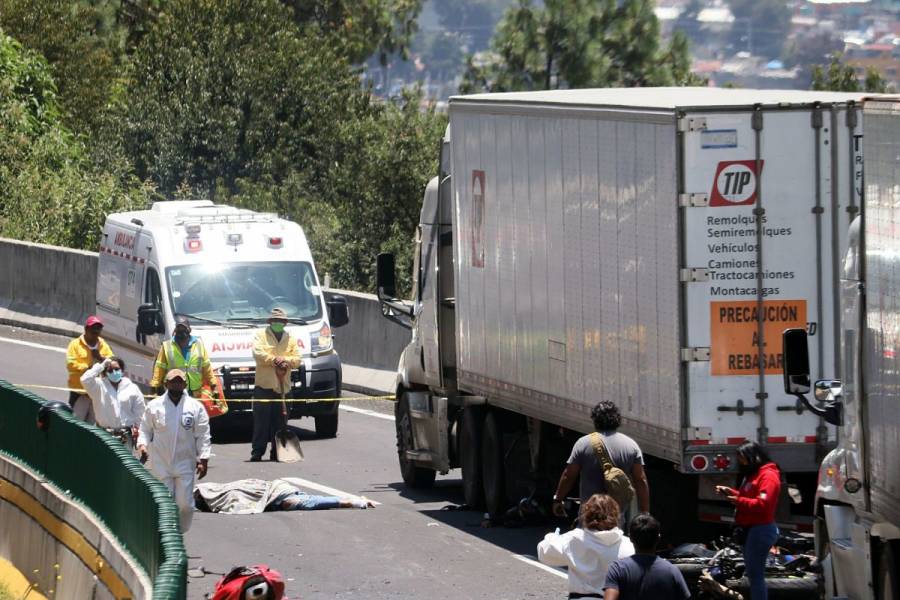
755, 503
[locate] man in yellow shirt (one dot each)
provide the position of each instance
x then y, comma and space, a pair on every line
186, 353
276, 354
83, 352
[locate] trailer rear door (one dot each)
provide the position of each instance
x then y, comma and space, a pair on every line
763, 203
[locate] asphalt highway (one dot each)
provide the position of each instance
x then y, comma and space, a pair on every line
412, 545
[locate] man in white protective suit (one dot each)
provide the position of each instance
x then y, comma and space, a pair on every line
175, 434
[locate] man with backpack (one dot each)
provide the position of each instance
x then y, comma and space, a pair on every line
608, 462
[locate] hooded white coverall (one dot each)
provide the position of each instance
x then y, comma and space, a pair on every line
177, 437
114, 407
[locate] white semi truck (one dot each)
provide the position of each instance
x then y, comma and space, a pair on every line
857, 506
646, 246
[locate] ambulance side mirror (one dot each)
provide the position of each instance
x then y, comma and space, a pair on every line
150, 320
338, 312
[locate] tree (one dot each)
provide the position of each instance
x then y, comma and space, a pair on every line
580, 43
231, 99
841, 77
476, 18
760, 26
77, 41
49, 191
361, 28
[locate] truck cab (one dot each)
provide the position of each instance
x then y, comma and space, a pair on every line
225, 269
857, 504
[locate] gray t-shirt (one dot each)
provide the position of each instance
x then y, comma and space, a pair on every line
646, 577
623, 451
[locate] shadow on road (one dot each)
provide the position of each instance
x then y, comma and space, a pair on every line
519, 539
237, 428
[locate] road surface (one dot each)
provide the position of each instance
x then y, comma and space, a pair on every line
410, 546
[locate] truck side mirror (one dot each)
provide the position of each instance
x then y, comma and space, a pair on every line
385, 276
796, 362
150, 320
796, 376
338, 312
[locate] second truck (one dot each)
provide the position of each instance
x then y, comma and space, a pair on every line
645, 246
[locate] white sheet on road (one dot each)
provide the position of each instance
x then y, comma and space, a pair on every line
252, 496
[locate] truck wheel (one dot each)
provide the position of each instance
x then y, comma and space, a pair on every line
888, 583
470, 430
492, 466
413, 476
327, 425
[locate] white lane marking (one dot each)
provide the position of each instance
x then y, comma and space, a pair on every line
370, 413
32, 345
323, 488
530, 561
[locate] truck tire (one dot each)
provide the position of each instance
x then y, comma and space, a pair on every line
783, 588
413, 476
888, 582
470, 430
327, 425
495, 500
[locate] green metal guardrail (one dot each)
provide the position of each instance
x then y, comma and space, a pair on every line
100, 473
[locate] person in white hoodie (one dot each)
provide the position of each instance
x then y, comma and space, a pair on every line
175, 435
117, 401
588, 551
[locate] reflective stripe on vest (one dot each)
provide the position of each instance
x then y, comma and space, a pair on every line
192, 369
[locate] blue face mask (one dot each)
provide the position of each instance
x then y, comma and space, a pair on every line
115, 375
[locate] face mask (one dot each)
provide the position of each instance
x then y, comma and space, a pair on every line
115, 376
277, 327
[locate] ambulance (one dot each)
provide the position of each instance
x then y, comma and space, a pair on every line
225, 269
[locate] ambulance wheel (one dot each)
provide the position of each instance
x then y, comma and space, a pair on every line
470, 428
327, 425
413, 476
492, 472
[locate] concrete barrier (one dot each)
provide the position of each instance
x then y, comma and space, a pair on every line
52, 289
63, 549
46, 287
369, 339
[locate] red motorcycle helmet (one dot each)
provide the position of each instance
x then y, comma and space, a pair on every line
256, 582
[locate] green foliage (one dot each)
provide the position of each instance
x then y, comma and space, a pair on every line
361, 28
760, 26
580, 43
841, 77
256, 103
49, 192
232, 100
79, 41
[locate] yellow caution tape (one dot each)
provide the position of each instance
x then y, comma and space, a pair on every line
295, 400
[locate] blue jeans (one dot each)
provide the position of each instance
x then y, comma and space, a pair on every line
760, 538
302, 501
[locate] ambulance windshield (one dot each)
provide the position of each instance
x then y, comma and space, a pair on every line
244, 291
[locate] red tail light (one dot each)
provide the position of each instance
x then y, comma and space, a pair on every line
699, 463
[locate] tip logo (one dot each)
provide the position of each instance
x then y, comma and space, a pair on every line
735, 183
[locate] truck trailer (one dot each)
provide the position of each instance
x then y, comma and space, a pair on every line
857, 504
646, 246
